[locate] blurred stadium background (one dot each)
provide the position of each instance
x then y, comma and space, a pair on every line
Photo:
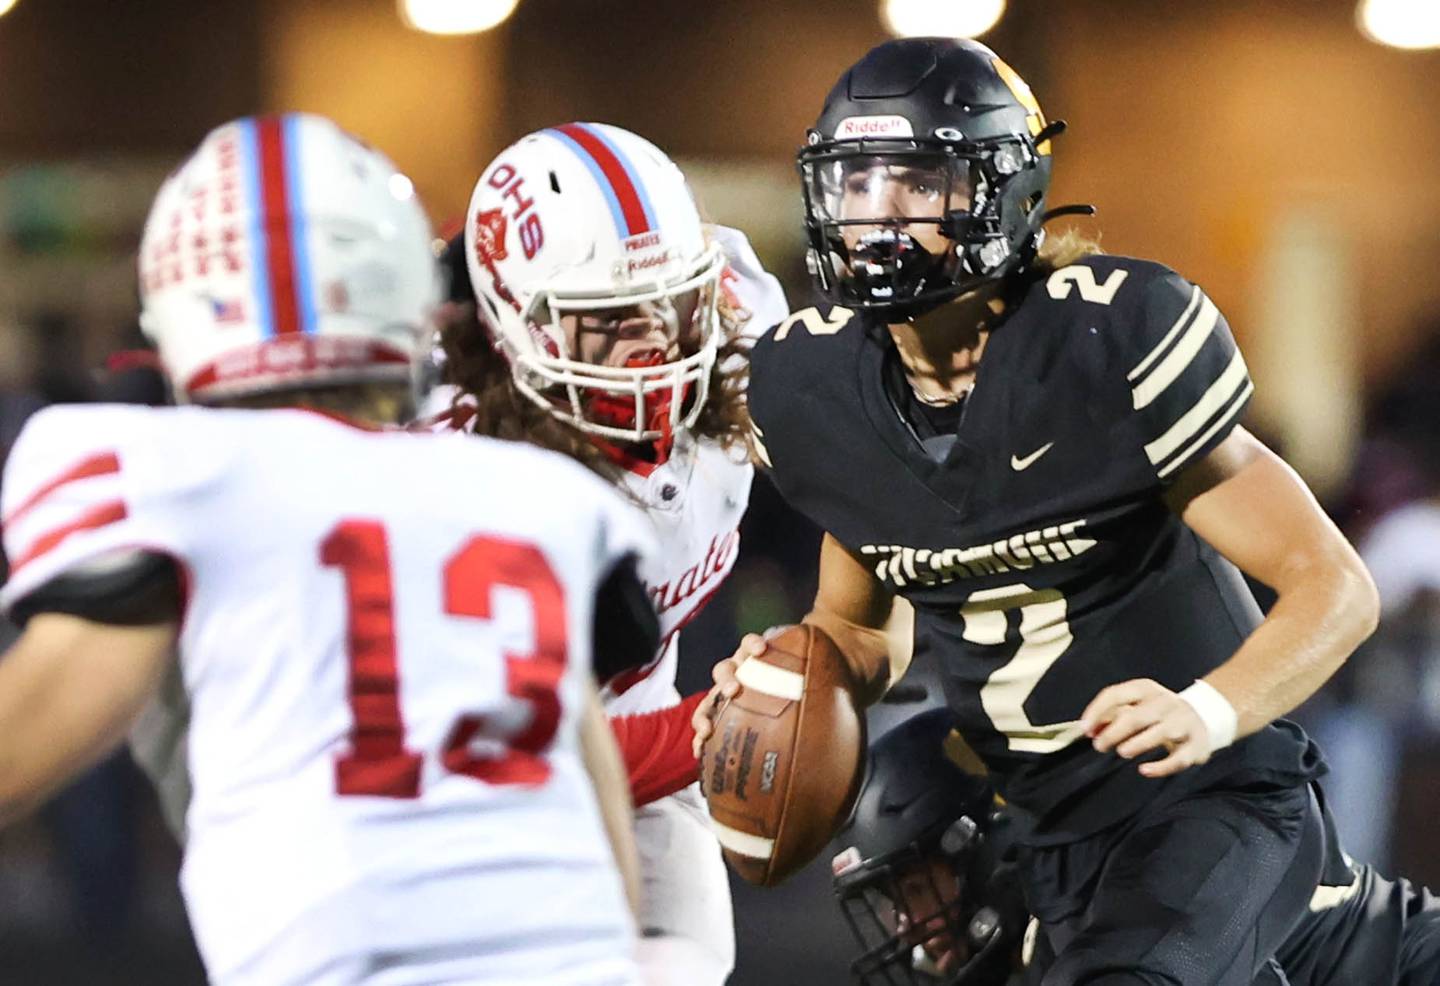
1281, 154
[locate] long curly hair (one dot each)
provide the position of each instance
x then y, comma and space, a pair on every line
1063, 249
488, 398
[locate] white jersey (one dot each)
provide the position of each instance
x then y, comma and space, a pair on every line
384, 647
695, 500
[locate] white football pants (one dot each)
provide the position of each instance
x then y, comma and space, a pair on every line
687, 929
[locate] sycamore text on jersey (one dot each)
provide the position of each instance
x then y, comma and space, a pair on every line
900, 565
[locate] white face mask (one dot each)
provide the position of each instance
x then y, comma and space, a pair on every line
627, 372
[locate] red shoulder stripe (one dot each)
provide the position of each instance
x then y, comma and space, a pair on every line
99, 464
105, 513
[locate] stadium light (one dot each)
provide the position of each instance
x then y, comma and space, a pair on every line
940, 18
6, 5
1400, 23
454, 16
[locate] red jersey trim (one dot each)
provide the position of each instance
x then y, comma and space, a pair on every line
656, 749
99, 464
105, 513
293, 358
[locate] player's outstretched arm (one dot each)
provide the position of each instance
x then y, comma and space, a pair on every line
612, 790
855, 610
1245, 501
69, 690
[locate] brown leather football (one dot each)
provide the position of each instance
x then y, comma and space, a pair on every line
784, 763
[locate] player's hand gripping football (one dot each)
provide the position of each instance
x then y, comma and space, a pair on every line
726, 686
1137, 716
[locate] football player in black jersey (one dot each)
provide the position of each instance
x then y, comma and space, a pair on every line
1038, 447
924, 886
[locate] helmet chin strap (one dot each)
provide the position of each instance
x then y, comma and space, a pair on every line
1067, 210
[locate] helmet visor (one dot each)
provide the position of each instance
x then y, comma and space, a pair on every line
915, 185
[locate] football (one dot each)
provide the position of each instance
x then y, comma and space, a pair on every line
784, 763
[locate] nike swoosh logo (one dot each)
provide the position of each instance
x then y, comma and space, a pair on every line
1019, 464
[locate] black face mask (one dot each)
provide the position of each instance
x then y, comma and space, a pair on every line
865, 201
890, 264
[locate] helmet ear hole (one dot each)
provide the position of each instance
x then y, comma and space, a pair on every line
554, 183
983, 927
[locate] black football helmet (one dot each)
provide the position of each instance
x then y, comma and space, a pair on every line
963, 133
920, 881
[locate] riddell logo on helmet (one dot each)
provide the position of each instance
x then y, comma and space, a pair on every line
638, 265
511, 186
887, 125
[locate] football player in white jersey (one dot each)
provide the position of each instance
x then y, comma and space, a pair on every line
610, 327
384, 638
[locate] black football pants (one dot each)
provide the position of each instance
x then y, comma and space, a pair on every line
1197, 892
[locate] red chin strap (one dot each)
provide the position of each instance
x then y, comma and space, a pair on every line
619, 411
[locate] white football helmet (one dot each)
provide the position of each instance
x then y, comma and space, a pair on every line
285, 253
576, 221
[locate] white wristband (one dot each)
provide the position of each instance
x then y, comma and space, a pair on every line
1215, 711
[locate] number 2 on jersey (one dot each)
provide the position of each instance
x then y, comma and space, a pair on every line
378, 763
1044, 636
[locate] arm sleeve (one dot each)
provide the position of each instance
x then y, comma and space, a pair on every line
78, 536
626, 627
755, 293
656, 750
131, 587
1186, 379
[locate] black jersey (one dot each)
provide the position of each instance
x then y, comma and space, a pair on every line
1363, 928
1041, 559
1360, 929
1368, 930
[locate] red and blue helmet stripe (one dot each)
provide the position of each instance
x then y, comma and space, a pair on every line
284, 290
624, 191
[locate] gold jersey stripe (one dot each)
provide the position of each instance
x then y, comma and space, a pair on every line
1219, 423
1168, 370
1218, 393
1154, 354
